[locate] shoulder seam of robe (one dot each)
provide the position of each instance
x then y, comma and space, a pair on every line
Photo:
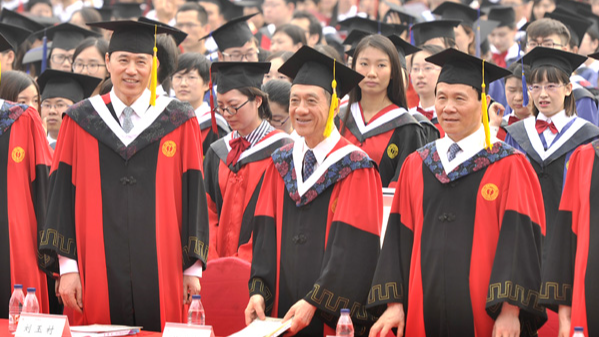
430, 158
85, 114
397, 118
205, 122
9, 114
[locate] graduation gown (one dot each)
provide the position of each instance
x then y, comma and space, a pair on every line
550, 165
130, 208
318, 240
208, 136
570, 276
25, 160
390, 136
459, 244
431, 132
232, 192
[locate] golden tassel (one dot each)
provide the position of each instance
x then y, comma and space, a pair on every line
154, 74
334, 104
485, 113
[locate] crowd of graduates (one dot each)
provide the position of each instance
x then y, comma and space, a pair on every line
141, 140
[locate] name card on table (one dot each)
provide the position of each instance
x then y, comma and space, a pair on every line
185, 330
37, 325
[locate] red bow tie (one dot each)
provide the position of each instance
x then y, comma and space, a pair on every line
543, 125
512, 120
499, 59
238, 145
427, 114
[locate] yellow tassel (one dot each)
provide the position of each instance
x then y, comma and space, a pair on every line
154, 74
485, 113
334, 104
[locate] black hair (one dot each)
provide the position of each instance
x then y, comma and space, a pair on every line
296, 34
315, 28
100, 44
90, 14
194, 6
251, 93
554, 75
278, 92
194, 61
168, 55
14, 82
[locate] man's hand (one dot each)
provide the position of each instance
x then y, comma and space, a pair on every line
302, 313
507, 323
565, 320
255, 309
70, 291
393, 317
496, 111
191, 286
56, 290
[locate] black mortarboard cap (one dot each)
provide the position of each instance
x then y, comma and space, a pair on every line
429, 30
236, 75
456, 11
354, 37
367, 25
563, 60
486, 27
105, 13
125, 11
575, 6
132, 36
594, 55
66, 36
234, 33
178, 34
404, 49
576, 24
76, 87
461, 68
14, 35
504, 14
16, 19
404, 15
594, 22
310, 67
35, 54
4, 44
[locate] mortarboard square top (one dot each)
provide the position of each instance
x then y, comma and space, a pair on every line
354, 37
404, 49
461, 68
504, 14
14, 35
576, 24
76, 87
132, 36
563, 60
65, 36
232, 34
178, 34
4, 44
237, 75
16, 19
310, 67
405, 16
456, 11
434, 29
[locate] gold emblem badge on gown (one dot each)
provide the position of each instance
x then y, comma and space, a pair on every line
490, 192
169, 148
18, 154
392, 151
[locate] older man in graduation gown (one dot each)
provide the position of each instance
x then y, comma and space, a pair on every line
25, 159
318, 216
462, 251
127, 223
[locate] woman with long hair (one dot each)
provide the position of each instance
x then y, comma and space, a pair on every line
18, 87
235, 164
376, 118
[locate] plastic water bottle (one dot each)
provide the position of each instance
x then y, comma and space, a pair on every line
578, 332
196, 315
15, 305
31, 305
344, 326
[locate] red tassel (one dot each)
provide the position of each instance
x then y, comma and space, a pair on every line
212, 112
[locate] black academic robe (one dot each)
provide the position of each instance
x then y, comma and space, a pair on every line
571, 276
431, 132
458, 245
388, 138
550, 165
133, 216
208, 135
320, 245
232, 192
25, 160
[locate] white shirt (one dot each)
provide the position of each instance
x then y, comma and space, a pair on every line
469, 146
64, 14
50, 139
152, 15
203, 109
322, 149
560, 120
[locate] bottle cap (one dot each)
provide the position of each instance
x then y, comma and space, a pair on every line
31, 289
18, 286
345, 311
578, 329
196, 297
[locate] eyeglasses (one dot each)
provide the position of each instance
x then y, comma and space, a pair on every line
551, 87
60, 58
279, 123
184, 25
60, 106
237, 56
227, 109
425, 69
546, 44
92, 68
191, 80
